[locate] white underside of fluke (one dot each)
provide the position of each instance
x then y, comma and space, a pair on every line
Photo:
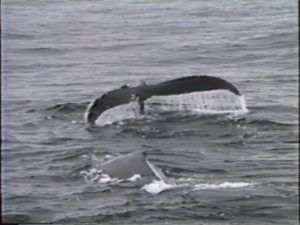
119, 113
217, 101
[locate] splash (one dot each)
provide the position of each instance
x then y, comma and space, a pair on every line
97, 176
157, 186
135, 178
221, 185
153, 185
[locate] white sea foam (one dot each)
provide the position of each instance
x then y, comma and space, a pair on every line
135, 178
157, 186
221, 185
97, 176
91, 175
106, 179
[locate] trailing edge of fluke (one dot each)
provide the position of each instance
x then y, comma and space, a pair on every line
125, 94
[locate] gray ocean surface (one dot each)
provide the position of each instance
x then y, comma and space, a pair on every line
57, 56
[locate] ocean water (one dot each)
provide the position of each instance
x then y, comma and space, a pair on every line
57, 56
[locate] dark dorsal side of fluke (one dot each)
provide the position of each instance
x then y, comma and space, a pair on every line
191, 84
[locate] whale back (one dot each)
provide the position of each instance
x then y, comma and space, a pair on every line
126, 166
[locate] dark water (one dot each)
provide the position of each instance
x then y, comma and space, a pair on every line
60, 55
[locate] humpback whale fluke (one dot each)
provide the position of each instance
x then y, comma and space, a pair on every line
184, 85
125, 167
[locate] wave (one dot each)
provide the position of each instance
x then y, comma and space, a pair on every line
222, 185
14, 218
263, 122
260, 122
68, 107
42, 50
16, 36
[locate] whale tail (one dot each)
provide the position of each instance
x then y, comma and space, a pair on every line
179, 86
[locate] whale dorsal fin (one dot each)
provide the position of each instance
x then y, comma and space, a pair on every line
143, 83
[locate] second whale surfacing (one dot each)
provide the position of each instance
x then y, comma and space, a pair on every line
126, 94
127, 166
